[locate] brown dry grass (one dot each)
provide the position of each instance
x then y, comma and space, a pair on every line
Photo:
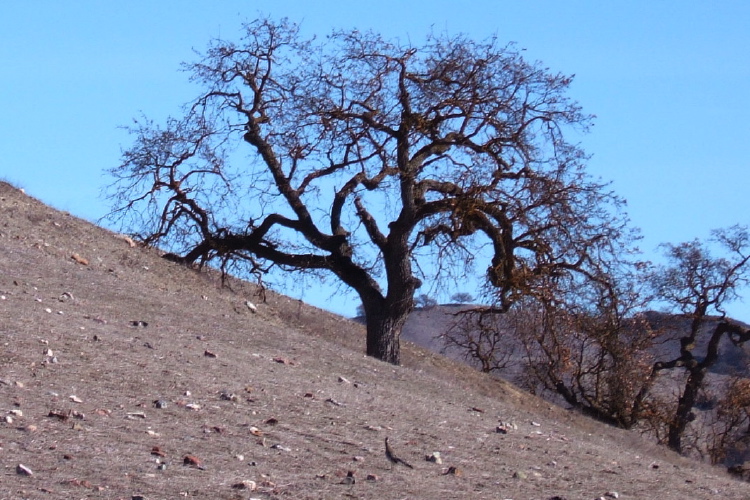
325, 426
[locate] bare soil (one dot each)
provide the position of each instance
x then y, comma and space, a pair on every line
117, 368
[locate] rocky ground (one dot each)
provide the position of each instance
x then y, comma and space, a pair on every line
125, 376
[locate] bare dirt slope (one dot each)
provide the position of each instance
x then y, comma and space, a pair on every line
117, 368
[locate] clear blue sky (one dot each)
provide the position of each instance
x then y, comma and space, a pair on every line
667, 80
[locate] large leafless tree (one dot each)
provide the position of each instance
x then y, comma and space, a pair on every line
379, 162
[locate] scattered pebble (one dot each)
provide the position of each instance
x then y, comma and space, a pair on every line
192, 461
453, 471
245, 485
81, 260
22, 470
505, 427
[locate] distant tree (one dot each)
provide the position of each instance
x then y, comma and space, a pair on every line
728, 438
587, 341
696, 284
486, 340
363, 155
462, 298
425, 301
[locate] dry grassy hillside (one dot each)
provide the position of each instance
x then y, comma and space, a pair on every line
126, 376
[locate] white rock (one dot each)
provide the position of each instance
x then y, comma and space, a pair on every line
251, 306
23, 470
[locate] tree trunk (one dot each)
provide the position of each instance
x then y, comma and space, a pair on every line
384, 334
684, 414
698, 371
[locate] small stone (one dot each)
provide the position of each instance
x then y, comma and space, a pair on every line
519, 475
349, 479
453, 471
209, 354
283, 361
80, 259
75, 399
22, 470
161, 403
372, 477
343, 380
506, 427
612, 494
8, 419
434, 457
245, 485
192, 461
281, 447
228, 396
158, 452
251, 306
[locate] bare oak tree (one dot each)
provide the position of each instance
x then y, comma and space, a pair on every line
695, 283
363, 155
586, 340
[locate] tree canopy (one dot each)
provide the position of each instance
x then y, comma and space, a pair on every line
386, 164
